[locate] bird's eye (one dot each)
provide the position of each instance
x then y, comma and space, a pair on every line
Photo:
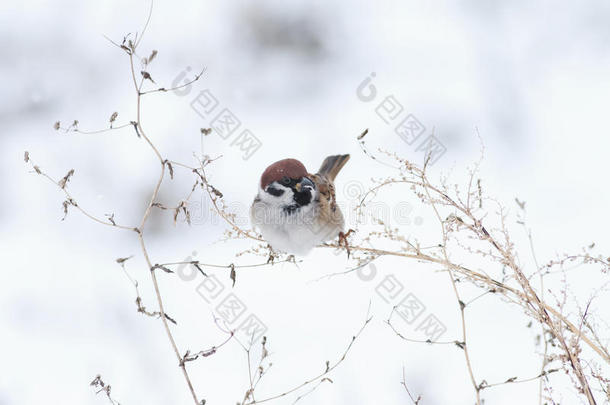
285, 181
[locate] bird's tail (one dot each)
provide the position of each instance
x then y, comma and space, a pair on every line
332, 165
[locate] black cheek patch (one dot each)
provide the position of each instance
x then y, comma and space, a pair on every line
275, 191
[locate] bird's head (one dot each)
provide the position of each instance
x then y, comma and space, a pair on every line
286, 182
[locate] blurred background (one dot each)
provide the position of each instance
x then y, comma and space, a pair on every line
527, 80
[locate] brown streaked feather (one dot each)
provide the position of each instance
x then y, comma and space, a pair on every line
332, 165
328, 212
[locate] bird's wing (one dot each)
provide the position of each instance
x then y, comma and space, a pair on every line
329, 212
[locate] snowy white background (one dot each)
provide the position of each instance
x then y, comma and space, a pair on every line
533, 78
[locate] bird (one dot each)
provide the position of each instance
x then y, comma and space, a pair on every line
296, 210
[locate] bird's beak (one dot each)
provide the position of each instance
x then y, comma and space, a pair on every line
305, 183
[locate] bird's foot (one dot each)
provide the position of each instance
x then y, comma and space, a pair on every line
343, 240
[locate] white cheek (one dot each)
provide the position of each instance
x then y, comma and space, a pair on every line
285, 199
314, 195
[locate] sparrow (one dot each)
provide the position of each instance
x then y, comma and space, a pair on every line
295, 210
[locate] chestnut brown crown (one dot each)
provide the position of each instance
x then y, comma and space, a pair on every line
290, 168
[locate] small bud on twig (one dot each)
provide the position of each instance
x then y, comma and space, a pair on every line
152, 55
111, 218
170, 168
146, 75
113, 118
62, 183
122, 260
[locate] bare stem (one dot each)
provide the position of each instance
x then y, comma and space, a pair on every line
141, 232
